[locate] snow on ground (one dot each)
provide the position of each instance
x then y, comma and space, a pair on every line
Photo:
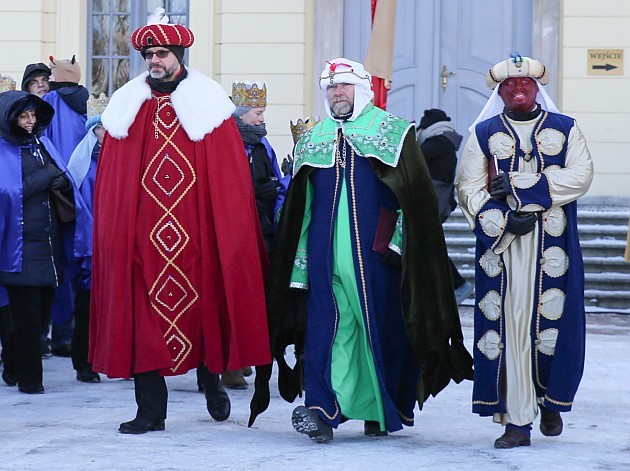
74, 426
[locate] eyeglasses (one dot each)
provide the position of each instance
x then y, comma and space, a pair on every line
161, 54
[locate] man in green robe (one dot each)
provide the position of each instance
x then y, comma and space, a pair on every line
360, 247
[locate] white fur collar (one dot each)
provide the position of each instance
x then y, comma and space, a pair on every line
200, 103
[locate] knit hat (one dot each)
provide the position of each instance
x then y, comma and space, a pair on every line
432, 116
158, 32
65, 70
34, 70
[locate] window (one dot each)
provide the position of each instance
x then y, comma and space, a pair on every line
111, 59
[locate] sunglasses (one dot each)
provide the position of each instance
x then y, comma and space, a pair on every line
161, 54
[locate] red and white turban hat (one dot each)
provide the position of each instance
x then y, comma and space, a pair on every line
158, 32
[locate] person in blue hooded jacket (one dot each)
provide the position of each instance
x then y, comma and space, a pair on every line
33, 180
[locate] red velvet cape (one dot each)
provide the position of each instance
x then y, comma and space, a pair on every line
234, 322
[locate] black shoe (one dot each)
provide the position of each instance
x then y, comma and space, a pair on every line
86, 375
9, 378
306, 421
45, 347
63, 350
217, 401
138, 426
512, 439
550, 422
38, 389
371, 428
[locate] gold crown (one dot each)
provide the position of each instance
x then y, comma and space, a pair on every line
249, 94
6, 83
301, 127
96, 106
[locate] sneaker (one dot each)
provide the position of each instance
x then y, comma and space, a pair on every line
234, 379
464, 291
307, 421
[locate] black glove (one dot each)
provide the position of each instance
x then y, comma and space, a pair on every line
520, 223
287, 165
501, 186
391, 259
60, 182
266, 191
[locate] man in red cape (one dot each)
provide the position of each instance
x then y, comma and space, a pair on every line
178, 253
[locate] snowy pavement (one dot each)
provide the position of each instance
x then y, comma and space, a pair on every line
74, 426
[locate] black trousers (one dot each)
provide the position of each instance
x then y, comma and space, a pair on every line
22, 354
6, 327
152, 394
81, 334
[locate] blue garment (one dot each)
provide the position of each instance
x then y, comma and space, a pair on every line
378, 287
4, 297
557, 371
67, 127
276, 171
80, 231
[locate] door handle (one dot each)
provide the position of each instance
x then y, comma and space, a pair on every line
445, 75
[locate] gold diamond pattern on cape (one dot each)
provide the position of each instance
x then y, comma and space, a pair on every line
172, 293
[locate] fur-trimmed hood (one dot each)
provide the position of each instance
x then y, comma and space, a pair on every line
201, 105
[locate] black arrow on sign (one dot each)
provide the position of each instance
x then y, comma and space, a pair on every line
606, 67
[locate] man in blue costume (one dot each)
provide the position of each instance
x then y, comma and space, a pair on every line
66, 130
523, 168
360, 237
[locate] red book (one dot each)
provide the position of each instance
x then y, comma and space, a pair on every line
385, 230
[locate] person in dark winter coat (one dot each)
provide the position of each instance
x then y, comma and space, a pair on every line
31, 247
439, 143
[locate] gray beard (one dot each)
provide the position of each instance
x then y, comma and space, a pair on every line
160, 74
341, 110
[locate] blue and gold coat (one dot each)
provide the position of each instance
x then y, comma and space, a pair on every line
557, 322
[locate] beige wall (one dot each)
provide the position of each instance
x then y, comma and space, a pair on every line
600, 104
35, 29
268, 41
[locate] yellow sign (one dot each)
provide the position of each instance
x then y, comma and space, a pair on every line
604, 61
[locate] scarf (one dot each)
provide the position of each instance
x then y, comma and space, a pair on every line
435, 130
251, 134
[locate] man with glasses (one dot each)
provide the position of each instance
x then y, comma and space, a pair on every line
178, 273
